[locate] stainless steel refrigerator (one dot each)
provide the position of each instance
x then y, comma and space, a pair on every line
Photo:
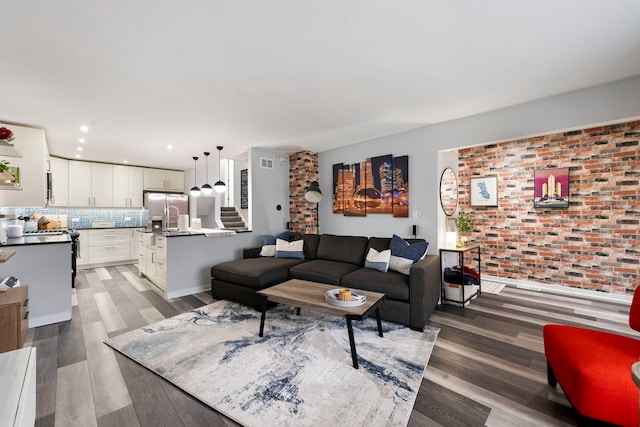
164, 209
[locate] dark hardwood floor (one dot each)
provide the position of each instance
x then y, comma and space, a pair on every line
487, 368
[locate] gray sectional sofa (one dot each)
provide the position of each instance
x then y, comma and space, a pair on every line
336, 260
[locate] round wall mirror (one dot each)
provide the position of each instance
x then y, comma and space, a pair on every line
449, 191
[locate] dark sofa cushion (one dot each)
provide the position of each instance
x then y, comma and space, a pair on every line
255, 273
349, 249
311, 242
395, 285
322, 271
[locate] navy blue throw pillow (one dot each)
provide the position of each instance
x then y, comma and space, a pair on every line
401, 248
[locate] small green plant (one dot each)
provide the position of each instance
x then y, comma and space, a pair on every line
464, 223
4, 166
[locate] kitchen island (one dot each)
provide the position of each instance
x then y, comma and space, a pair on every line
179, 263
44, 264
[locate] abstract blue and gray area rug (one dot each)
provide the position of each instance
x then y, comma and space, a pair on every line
299, 374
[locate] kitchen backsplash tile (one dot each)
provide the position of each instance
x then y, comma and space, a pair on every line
82, 218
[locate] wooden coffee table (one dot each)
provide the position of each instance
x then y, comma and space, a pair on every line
310, 295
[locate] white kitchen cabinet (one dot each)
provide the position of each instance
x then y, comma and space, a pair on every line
59, 169
175, 180
109, 245
90, 184
79, 183
136, 183
134, 241
142, 254
127, 186
163, 180
152, 259
102, 185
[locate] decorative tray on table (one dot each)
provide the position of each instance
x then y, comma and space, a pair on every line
345, 297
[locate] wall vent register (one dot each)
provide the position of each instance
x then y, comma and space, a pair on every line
266, 163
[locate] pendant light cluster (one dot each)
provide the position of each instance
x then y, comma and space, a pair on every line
219, 186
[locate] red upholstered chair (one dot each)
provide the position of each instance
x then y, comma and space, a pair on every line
594, 369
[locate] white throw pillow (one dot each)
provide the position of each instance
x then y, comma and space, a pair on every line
286, 249
268, 250
378, 260
401, 265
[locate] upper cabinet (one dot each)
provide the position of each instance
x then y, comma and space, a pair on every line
127, 186
90, 184
59, 169
163, 180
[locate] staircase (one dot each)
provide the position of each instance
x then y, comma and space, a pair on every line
231, 219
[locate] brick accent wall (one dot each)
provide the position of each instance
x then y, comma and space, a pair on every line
593, 244
303, 169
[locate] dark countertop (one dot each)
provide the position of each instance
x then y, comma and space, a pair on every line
37, 240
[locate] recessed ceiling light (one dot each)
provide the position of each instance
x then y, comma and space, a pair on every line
79, 148
78, 156
169, 147
82, 141
84, 128
125, 161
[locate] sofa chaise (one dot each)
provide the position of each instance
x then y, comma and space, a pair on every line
336, 260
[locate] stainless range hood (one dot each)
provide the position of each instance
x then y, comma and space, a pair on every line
8, 150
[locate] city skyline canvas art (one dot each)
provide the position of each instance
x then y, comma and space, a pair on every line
378, 185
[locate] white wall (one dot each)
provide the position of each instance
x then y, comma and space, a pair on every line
616, 101
446, 159
267, 189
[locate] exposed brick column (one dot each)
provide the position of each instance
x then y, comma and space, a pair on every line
303, 169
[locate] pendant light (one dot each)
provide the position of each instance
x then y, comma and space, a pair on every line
206, 188
219, 186
195, 191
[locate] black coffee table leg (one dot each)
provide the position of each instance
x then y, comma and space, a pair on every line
265, 301
354, 355
379, 322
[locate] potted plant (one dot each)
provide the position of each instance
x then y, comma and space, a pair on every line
465, 225
5, 175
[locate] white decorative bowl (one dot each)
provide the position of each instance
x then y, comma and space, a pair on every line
357, 298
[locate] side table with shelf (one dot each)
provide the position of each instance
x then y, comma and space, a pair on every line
461, 251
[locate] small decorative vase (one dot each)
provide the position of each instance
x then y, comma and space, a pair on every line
344, 294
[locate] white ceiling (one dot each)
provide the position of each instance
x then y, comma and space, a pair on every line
290, 75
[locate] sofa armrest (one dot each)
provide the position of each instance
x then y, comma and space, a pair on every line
424, 290
251, 252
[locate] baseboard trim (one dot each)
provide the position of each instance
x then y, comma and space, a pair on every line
189, 291
563, 290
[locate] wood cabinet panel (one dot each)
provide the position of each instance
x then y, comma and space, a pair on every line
14, 315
